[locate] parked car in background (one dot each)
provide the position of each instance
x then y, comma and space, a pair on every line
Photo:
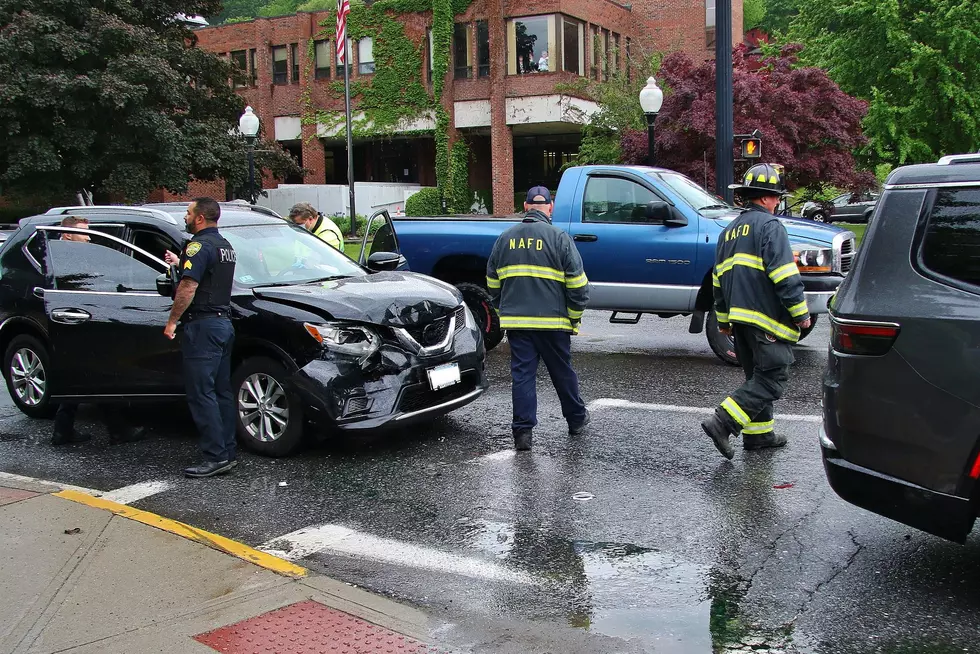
845, 208
319, 339
901, 398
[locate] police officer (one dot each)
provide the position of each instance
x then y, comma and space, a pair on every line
304, 215
759, 299
539, 287
202, 303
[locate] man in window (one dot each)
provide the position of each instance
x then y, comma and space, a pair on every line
120, 430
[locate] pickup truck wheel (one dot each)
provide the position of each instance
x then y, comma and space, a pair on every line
723, 346
806, 332
480, 304
269, 412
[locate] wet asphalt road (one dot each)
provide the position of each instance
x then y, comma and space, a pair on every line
670, 549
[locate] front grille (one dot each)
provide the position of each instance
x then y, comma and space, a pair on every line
421, 396
846, 255
356, 405
435, 332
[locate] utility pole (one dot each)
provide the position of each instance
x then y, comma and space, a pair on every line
724, 109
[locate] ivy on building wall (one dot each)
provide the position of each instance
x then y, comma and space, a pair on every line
395, 94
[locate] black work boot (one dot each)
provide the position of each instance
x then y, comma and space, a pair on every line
578, 429
65, 438
719, 432
760, 441
130, 435
522, 439
209, 469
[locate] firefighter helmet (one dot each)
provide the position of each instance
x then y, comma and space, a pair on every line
762, 179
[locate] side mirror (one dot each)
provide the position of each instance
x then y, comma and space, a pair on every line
662, 212
384, 261
167, 282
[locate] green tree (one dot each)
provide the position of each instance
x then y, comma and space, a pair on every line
778, 16
114, 98
753, 13
916, 63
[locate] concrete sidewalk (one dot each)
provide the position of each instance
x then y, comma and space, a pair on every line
80, 574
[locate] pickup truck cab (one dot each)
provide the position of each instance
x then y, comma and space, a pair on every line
646, 235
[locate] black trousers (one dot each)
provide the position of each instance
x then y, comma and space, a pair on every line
207, 345
765, 361
527, 347
112, 415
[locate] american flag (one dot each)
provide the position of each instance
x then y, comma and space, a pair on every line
343, 8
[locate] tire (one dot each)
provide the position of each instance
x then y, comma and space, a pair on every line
480, 304
264, 376
27, 354
806, 332
723, 346
820, 217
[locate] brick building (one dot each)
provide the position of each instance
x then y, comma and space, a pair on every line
506, 91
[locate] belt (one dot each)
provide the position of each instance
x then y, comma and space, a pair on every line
191, 316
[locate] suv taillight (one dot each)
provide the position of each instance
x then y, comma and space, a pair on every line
862, 337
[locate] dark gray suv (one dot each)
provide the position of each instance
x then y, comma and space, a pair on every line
901, 395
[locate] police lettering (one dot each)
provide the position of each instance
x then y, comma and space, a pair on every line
737, 233
526, 244
227, 255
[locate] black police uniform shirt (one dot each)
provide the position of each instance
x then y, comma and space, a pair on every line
209, 260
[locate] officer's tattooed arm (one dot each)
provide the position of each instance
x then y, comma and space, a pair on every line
183, 298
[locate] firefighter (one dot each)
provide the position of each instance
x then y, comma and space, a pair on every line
759, 300
538, 284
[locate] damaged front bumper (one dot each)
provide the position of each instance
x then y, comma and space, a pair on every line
391, 389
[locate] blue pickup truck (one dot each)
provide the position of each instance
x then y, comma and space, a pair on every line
647, 237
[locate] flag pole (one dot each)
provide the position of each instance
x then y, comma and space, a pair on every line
350, 139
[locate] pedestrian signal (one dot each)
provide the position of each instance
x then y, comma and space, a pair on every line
751, 148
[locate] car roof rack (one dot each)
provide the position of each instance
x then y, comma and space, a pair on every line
959, 158
110, 208
237, 204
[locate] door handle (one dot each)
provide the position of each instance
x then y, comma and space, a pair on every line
38, 292
70, 316
588, 238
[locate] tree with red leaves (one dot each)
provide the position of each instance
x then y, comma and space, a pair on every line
807, 123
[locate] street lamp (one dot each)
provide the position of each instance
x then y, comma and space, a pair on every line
248, 125
651, 99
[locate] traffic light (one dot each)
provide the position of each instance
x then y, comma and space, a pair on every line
751, 148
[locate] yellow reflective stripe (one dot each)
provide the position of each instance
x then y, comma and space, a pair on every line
759, 427
740, 259
798, 310
735, 411
493, 282
764, 322
783, 272
534, 322
715, 281
541, 272
578, 281
722, 317
575, 315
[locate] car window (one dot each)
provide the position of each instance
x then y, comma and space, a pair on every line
154, 242
98, 266
281, 254
36, 251
616, 200
841, 200
951, 242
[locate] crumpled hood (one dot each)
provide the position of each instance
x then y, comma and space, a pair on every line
801, 231
388, 298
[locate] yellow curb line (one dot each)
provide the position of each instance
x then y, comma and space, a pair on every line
242, 551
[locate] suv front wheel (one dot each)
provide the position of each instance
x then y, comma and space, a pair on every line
269, 412
26, 369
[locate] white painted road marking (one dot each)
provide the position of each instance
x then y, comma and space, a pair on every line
337, 539
80, 489
137, 492
611, 403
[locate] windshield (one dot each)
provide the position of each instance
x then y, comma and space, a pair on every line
282, 254
693, 194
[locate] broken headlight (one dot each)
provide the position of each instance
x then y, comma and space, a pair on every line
345, 339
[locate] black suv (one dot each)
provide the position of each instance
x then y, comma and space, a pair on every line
319, 338
901, 397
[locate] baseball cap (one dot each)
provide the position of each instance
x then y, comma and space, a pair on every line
536, 191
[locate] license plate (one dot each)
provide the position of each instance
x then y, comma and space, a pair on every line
443, 376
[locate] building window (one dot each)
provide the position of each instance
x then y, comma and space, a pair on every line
430, 55
239, 58
709, 23
629, 60
573, 50
483, 48
294, 51
595, 56
253, 68
349, 52
365, 56
531, 44
462, 55
321, 53
614, 54
604, 50
280, 65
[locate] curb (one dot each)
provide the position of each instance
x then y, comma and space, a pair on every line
214, 541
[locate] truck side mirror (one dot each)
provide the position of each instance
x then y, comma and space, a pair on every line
662, 212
